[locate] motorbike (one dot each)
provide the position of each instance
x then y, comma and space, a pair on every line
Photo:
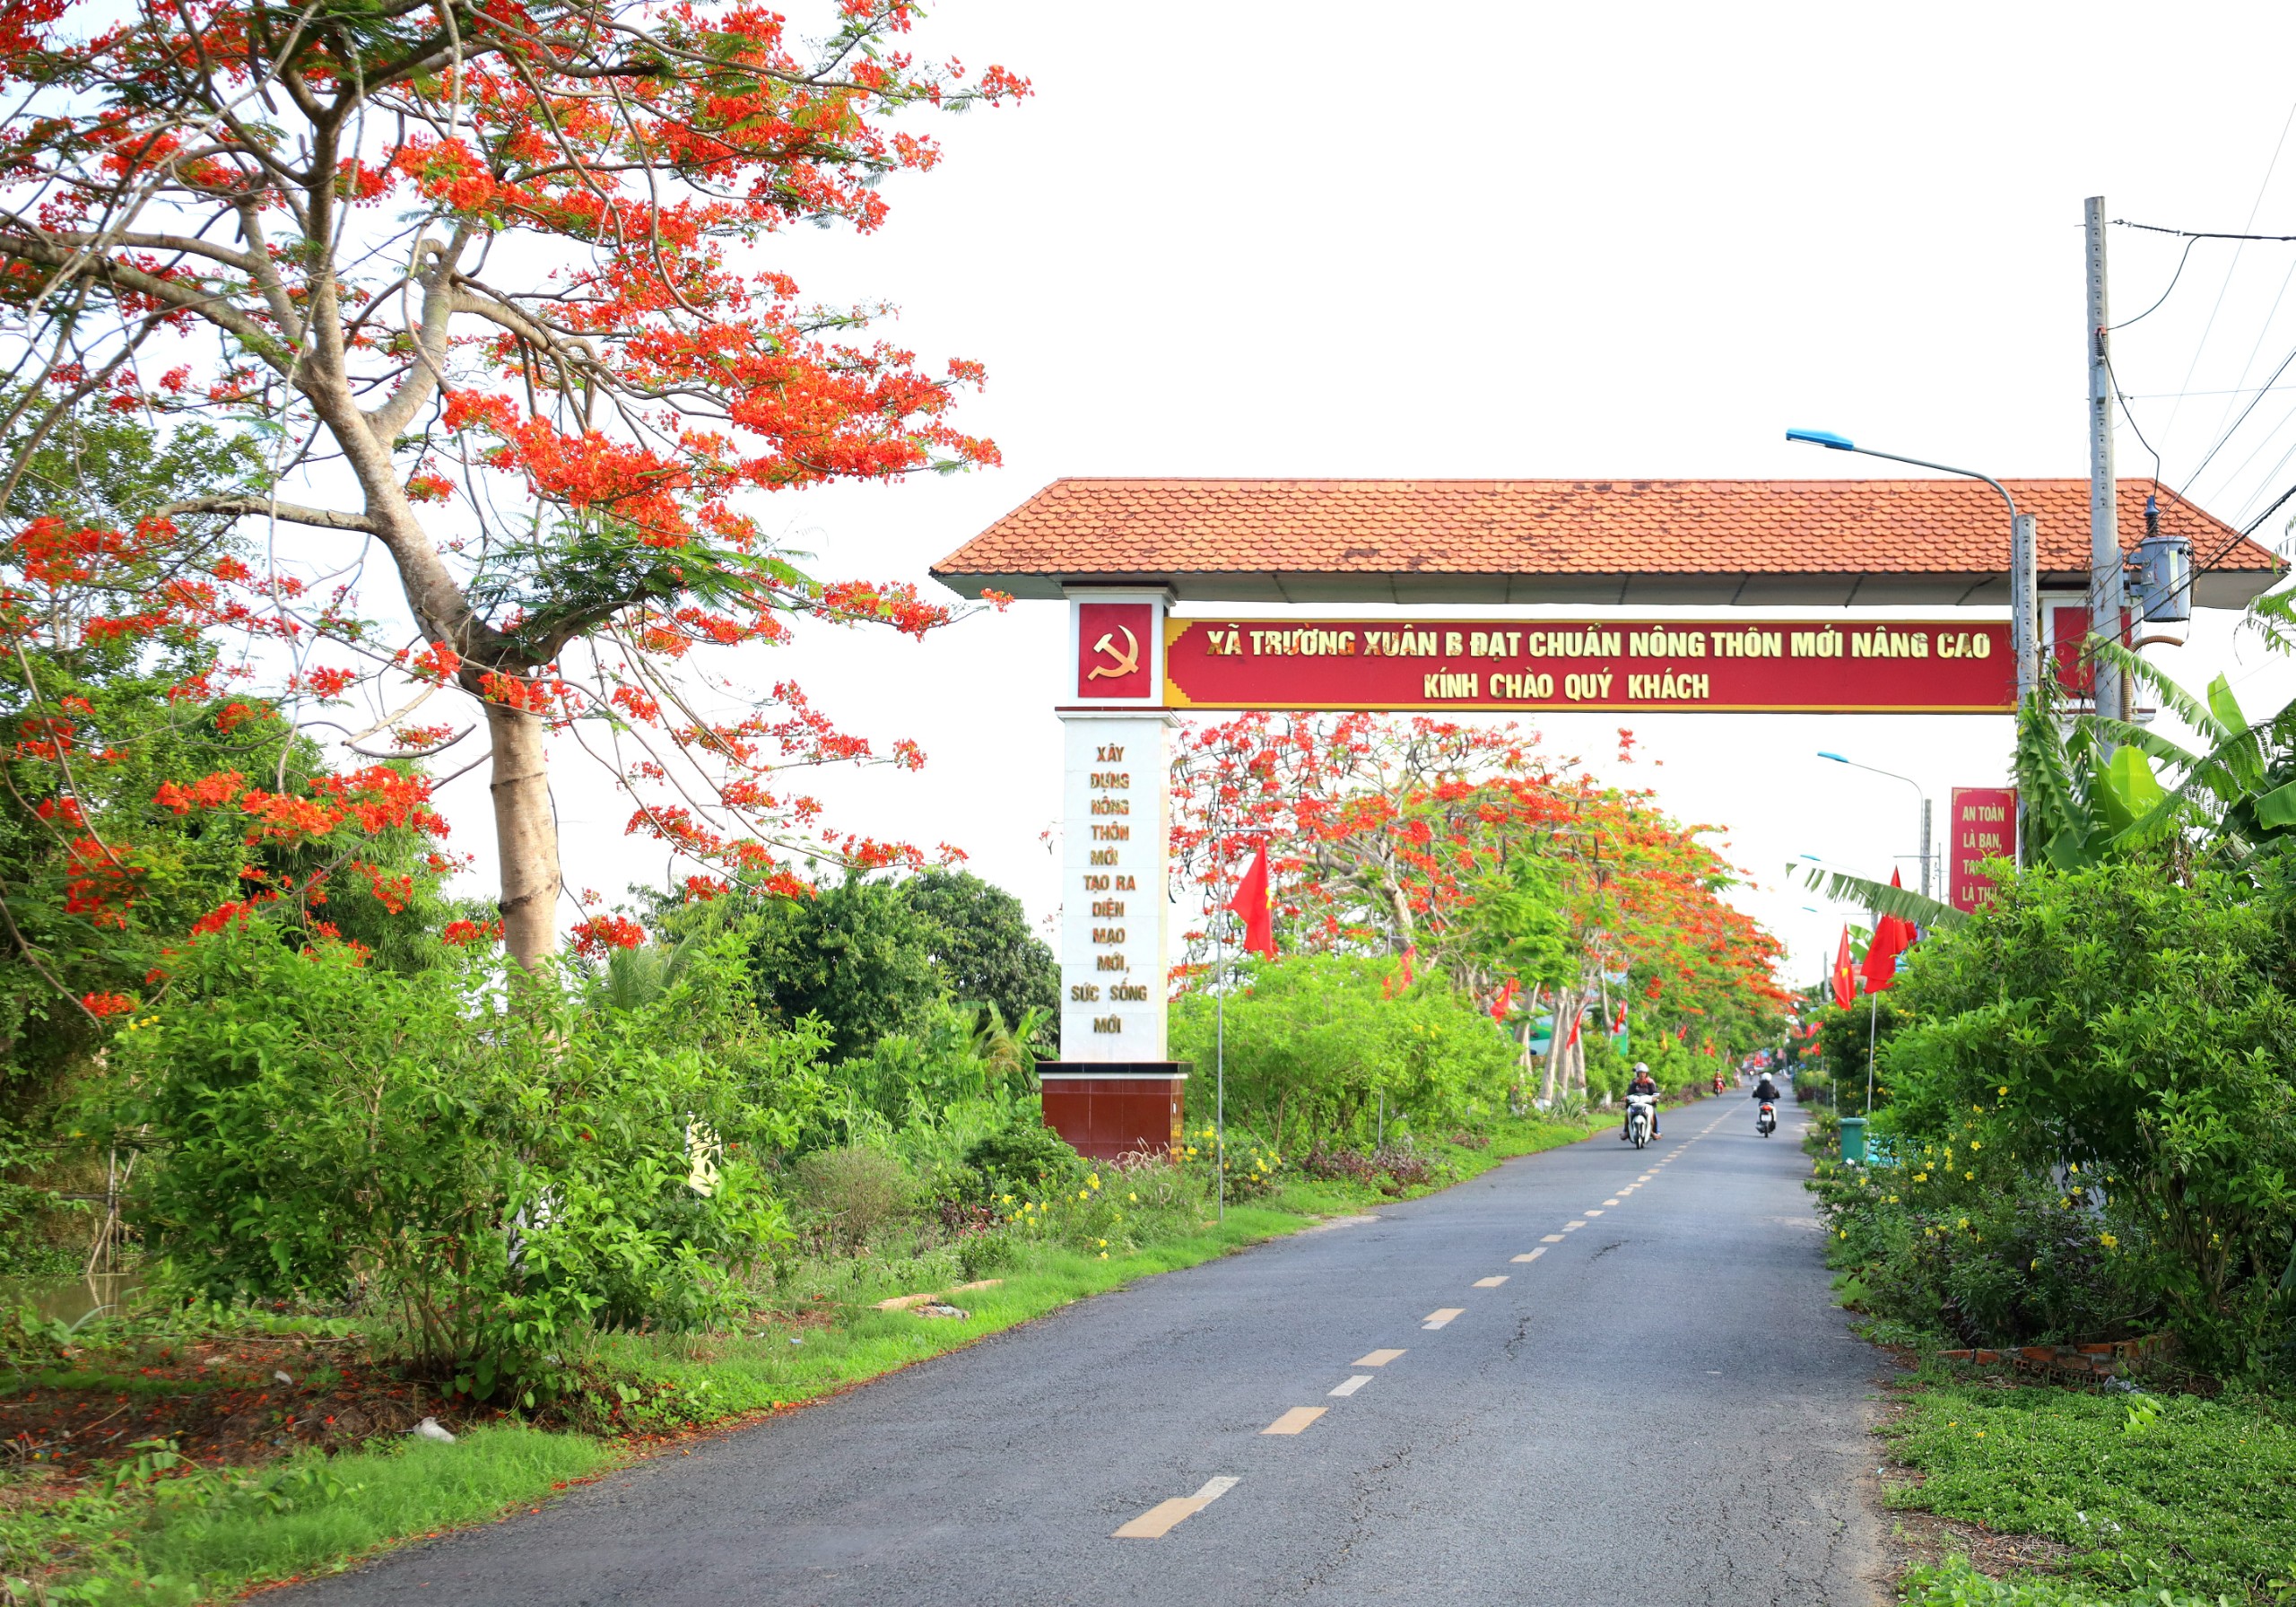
1640, 1112
1717, 1082
1766, 1122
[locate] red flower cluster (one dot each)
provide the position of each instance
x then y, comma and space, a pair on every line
600, 933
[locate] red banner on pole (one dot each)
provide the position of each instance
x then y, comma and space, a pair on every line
1911, 666
1981, 825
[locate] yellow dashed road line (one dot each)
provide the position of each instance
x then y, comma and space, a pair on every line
1436, 1320
1295, 1420
1490, 1282
1157, 1522
1378, 1359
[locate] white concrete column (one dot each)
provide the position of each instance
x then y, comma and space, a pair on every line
1115, 907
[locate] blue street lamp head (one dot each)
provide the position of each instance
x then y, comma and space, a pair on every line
1836, 758
1822, 437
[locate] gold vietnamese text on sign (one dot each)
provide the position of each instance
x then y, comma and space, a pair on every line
1949, 665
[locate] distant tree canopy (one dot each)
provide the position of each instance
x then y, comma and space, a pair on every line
872, 957
987, 952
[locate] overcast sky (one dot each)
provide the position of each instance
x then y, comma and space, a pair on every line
1525, 239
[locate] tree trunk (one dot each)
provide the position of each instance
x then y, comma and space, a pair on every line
526, 835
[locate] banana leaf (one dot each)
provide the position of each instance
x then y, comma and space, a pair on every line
1881, 897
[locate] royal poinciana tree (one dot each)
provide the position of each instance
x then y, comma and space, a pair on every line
483, 277
1519, 876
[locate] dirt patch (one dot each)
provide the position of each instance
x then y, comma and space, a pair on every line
221, 1401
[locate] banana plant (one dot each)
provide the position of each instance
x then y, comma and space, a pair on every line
2241, 792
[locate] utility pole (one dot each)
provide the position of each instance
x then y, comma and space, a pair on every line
2104, 506
1926, 841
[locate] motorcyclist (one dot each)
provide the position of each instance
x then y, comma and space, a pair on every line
1643, 1083
1766, 1088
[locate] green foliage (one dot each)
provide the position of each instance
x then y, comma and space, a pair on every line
134, 711
984, 951
2197, 1500
495, 1180
857, 956
1026, 1157
874, 959
851, 1195
1955, 1584
2115, 1040
1314, 1044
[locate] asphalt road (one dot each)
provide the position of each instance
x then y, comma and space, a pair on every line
1662, 1408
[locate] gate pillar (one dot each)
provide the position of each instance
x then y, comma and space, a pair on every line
1115, 1090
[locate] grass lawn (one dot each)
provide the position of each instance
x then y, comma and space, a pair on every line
2152, 1492
142, 1530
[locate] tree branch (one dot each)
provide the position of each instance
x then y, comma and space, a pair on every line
325, 519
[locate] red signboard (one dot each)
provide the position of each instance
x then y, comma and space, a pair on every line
1115, 649
1981, 825
1905, 666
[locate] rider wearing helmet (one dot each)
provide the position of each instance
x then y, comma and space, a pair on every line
1643, 1083
1766, 1088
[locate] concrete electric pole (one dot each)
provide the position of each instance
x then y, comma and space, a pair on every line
2105, 587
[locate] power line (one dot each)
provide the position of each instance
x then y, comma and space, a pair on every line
2179, 274
2231, 267
2199, 234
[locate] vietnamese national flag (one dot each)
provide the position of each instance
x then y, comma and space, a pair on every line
1506, 998
1251, 903
1845, 976
1892, 938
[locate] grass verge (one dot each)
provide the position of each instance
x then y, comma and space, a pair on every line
2152, 1493
149, 1533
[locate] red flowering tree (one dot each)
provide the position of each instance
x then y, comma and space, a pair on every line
480, 275
1521, 878
145, 796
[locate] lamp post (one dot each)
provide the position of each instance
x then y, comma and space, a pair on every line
2023, 561
1918, 792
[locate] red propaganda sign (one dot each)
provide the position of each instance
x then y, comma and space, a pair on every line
1116, 650
1983, 825
1812, 666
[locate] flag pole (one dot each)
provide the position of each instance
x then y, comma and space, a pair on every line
1873, 1023
1219, 1025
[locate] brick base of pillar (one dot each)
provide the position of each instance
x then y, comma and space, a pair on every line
1106, 1110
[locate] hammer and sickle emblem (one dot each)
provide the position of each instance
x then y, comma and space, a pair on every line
1126, 661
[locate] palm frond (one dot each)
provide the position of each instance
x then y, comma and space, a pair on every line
1882, 898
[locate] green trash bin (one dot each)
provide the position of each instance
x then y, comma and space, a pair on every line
1852, 1139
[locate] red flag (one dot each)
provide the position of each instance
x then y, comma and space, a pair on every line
1574, 1030
1251, 903
1892, 938
1506, 998
1845, 976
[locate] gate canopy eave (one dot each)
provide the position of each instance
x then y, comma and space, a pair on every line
1268, 589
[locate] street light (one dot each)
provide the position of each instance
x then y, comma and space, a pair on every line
1918, 792
2023, 561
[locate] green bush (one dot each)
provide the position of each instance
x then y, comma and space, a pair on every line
854, 1194
1026, 1157
2094, 1072
1314, 1046
492, 1168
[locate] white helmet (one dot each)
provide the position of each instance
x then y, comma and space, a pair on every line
1642, 1068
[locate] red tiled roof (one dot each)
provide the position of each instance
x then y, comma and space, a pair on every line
1631, 529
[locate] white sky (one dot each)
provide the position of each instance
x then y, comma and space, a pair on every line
1259, 238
